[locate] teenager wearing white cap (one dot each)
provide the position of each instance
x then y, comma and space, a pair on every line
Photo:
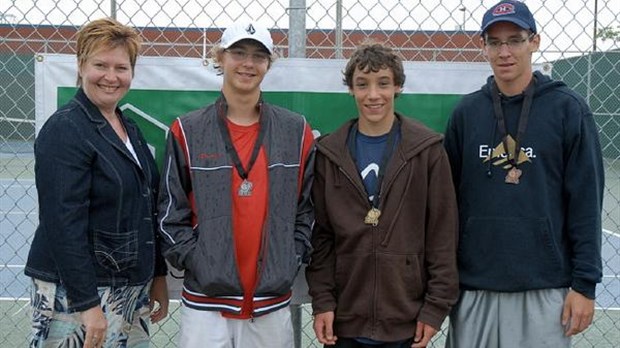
527, 168
234, 208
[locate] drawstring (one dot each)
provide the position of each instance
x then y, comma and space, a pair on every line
489, 168
334, 173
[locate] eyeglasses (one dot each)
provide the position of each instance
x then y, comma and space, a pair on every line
241, 55
512, 43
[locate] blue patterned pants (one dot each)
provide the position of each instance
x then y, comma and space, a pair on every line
126, 309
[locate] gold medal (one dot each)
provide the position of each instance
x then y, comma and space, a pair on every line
372, 218
513, 175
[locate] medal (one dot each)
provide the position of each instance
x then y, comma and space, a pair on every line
513, 175
245, 189
372, 218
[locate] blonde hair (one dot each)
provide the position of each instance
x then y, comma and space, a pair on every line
106, 33
216, 56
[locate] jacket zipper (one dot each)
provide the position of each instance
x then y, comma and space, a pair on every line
361, 192
374, 303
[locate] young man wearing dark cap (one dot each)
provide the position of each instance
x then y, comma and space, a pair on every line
527, 168
234, 208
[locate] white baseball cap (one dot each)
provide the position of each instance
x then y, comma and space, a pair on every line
242, 30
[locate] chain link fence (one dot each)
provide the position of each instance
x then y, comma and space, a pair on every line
580, 38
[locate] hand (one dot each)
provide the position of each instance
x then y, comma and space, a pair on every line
95, 325
324, 328
577, 313
159, 294
423, 335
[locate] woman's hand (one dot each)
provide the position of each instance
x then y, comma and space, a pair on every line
95, 325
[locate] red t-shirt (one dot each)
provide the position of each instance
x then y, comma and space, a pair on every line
249, 212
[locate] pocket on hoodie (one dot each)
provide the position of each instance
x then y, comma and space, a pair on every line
116, 251
509, 252
355, 281
400, 286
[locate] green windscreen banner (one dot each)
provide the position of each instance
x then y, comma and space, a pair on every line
164, 88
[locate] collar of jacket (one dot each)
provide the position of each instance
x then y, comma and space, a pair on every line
414, 137
221, 100
94, 115
92, 111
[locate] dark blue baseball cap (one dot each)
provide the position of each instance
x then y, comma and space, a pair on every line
509, 11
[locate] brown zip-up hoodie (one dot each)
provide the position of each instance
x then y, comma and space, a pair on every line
379, 280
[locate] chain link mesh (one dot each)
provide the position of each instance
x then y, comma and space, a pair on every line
443, 30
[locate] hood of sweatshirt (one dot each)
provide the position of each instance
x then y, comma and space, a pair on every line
544, 84
334, 145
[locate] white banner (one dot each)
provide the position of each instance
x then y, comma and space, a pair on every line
290, 75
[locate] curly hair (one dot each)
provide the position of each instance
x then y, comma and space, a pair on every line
372, 56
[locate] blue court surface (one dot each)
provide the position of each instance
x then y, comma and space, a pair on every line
18, 220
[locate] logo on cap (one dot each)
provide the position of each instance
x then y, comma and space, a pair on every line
503, 9
250, 29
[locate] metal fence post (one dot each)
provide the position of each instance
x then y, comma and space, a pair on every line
296, 319
339, 54
297, 29
113, 9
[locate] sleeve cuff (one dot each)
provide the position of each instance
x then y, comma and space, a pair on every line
82, 306
584, 287
433, 316
322, 304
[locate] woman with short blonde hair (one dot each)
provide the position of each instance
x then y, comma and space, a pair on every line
95, 260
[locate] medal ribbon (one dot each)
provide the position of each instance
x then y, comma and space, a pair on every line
387, 153
230, 148
513, 159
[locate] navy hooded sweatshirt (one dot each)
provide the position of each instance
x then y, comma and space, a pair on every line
544, 232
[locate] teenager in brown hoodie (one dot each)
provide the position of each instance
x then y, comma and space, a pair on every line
383, 270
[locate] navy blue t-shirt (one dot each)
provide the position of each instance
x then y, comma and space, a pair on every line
369, 152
